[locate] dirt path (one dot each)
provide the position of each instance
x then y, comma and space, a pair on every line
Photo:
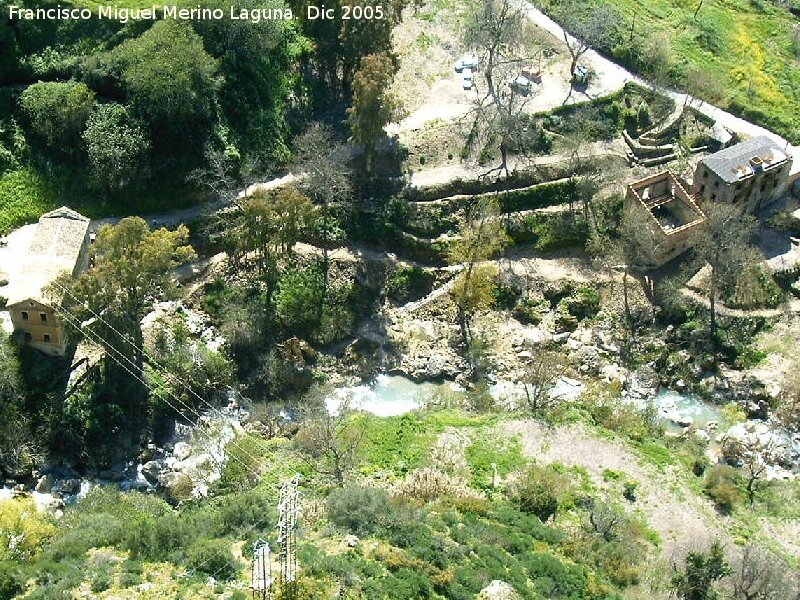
445, 174
613, 76
768, 313
682, 519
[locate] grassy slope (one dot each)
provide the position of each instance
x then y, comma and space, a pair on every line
746, 46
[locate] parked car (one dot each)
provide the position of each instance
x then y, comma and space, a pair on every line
581, 75
468, 61
521, 85
467, 80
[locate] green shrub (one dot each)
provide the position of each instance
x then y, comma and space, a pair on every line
359, 510
12, 580
555, 579
505, 297
721, 485
530, 311
583, 304
214, 558
541, 491
643, 115
57, 112
409, 283
101, 580
131, 574
629, 490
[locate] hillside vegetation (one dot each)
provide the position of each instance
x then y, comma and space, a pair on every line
739, 54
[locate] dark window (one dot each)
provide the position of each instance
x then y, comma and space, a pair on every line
27, 337
46, 337
716, 184
24, 315
43, 317
705, 174
702, 188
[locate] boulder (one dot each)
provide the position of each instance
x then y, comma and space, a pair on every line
151, 471
498, 590
702, 435
44, 485
182, 451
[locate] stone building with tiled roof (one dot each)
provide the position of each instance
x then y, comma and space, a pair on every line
751, 174
60, 245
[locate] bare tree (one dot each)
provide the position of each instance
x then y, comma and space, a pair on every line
329, 440
788, 410
756, 456
635, 247
606, 520
495, 29
325, 172
539, 377
724, 243
587, 27
697, 9
759, 574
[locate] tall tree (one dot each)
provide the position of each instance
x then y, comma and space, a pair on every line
481, 236
324, 165
258, 61
170, 81
339, 44
132, 271
270, 224
725, 244
18, 450
634, 249
117, 147
374, 106
495, 29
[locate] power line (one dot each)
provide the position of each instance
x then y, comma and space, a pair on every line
289, 498
154, 364
96, 337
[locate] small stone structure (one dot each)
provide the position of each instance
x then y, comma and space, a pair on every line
671, 213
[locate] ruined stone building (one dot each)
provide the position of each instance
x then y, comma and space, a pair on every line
670, 214
60, 245
751, 174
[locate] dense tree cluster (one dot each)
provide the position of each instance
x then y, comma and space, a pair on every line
152, 100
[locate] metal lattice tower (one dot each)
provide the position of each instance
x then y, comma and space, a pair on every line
289, 518
262, 579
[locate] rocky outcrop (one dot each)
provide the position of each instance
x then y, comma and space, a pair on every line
498, 590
